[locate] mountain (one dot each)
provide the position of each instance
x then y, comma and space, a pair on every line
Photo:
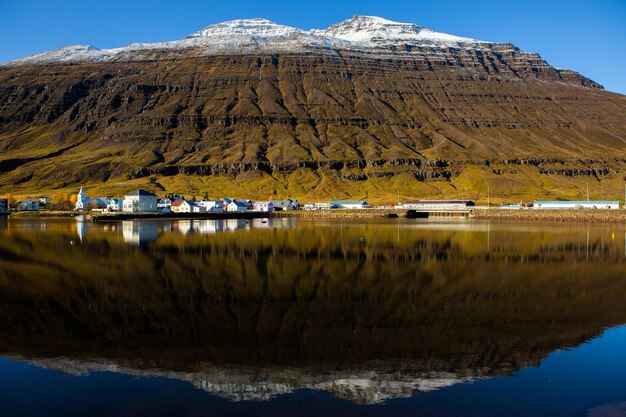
367, 108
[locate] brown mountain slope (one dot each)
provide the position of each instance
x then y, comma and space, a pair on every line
313, 125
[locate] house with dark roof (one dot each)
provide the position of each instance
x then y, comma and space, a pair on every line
239, 206
283, 205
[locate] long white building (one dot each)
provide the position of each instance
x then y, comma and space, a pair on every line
595, 204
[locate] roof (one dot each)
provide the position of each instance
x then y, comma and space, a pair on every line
349, 202
579, 202
178, 203
282, 202
439, 202
239, 204
265, 202
30, 200
141, 193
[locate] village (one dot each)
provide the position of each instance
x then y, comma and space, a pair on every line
142, 201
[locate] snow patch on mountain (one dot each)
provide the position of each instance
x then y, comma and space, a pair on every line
261, 35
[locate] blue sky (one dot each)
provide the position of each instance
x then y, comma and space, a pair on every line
584, 35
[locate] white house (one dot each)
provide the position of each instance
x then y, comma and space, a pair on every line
115, 204
212, 206
266, 206
196, 208
180, 206
139, 201
237, 206
44, 201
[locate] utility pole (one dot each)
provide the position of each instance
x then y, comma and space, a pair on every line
488, 197
587, 190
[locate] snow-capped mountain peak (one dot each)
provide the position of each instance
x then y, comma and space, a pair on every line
361, 28
250, 27
376, 29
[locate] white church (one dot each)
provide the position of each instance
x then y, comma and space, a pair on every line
83, 202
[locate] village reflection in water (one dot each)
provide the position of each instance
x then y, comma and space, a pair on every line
253, 309
141, 233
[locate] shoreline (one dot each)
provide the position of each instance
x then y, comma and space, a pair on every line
556, 215
552, 215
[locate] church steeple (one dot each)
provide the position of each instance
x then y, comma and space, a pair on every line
80, 198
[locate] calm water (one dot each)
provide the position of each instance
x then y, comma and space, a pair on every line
291, 317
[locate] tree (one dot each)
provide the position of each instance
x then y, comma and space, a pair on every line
206, 195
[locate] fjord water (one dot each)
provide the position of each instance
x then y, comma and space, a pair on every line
292, 317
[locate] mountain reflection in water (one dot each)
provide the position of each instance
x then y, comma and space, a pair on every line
249, 309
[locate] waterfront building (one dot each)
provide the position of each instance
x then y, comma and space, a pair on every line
196, 208
211, 206
265, 206
345, 204
180, 206
225, 202
139, 201
28, 204
237, 206
438, 204
4, 205
115, 204
44, 201
595, 204
283, 205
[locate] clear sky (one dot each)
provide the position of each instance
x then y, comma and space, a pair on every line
588, 36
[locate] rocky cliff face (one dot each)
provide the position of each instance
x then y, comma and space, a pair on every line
277, 110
